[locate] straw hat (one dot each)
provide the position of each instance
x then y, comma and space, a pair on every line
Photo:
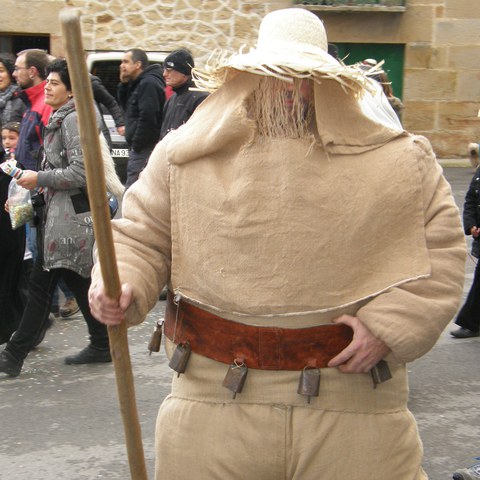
292, 38
291, 43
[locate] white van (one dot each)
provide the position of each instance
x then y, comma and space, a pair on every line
106, 66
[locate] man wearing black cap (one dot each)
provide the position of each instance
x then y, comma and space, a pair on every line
177, 69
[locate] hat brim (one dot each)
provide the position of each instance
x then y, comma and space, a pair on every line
282, 60
283, 63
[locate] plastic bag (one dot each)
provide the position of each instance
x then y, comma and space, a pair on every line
19, 205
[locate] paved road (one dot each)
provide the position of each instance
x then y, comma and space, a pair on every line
62, 422
445, 385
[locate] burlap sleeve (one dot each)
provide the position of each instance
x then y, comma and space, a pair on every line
142, 237
411, 317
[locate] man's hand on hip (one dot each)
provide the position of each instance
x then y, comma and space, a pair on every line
364, 351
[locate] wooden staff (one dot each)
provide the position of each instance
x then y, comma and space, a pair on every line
89, 137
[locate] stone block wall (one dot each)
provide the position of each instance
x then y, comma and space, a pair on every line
442, 76
200, 25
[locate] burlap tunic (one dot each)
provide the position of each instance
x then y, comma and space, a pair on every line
294, 233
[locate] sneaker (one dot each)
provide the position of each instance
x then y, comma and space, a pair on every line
9, 365
41, 335
464, 333
69, 308
89, 354
470, 473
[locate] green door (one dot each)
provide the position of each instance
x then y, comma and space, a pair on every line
393, 54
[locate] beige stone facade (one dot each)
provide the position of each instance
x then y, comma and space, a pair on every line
441, 37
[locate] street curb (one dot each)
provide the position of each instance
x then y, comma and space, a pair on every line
454, 162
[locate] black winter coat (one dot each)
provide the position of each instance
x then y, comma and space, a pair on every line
471, 211
103, 98
180, 107
142, 101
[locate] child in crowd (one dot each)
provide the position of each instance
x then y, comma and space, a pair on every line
13, 247
10, 134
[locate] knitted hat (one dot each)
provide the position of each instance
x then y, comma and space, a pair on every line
180, 60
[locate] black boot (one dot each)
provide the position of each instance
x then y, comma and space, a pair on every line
464, 333
89, 354
5, 337
9, 365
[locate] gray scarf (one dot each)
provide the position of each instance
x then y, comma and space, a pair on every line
5, 104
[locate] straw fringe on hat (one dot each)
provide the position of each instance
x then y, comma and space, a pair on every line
291, 43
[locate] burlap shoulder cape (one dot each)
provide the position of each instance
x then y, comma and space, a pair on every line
286, 226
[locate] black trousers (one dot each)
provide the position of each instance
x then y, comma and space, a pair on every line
469, 315
35, 317
12, 304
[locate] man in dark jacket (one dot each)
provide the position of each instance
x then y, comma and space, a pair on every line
141, 95
177, 69
29, 73
103, 99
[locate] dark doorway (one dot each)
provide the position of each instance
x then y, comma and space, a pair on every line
17, 43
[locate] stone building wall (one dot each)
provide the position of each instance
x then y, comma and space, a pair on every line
441, 83
200, 25
442, 45
442, 75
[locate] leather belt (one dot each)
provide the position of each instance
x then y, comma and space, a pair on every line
264, 348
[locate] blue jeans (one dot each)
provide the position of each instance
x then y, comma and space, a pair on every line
32, 240
35, 317
62, 285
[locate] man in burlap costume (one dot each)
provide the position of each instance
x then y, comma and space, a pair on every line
287, 207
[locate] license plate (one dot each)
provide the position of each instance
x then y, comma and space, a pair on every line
120, 152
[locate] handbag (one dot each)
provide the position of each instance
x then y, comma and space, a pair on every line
81, 201
112, 202
114, 186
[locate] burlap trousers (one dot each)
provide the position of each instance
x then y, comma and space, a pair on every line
269, 432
